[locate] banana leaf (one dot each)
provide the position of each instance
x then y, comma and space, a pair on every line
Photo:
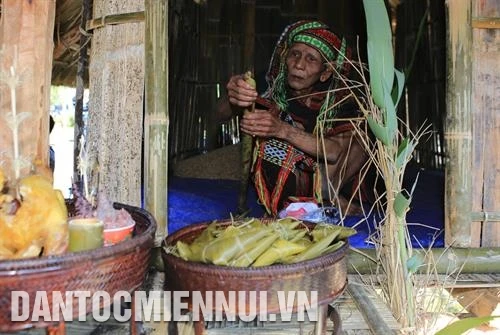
247, 258
322, 230
337, 245
223, 250
316, 249
279, 250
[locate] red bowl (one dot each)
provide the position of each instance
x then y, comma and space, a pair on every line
116, 235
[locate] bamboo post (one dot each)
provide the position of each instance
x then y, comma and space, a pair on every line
80, 86
248, 10
156, 117
458, 131
446, 260
486, 124
368, 309
26, 35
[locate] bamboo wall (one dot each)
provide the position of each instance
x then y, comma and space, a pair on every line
486, 123
423, 59
207, 44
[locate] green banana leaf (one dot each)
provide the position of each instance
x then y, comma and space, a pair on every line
461, 326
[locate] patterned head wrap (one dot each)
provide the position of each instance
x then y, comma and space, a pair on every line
318, 36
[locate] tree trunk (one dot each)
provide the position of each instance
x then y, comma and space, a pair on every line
116, 81
26, 33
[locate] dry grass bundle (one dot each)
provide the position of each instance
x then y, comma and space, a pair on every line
390, 152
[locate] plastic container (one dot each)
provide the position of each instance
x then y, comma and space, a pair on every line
115, 235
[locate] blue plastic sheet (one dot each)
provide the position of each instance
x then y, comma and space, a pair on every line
193, 200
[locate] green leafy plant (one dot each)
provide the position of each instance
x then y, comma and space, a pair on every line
461, 326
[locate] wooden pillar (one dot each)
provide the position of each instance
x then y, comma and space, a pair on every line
116, 85
26, 38
156, 117
486, 122
458, 129
83, 60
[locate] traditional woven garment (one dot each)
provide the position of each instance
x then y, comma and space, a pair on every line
281, 170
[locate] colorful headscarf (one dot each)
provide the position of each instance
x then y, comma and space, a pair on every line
280, 169
318, 36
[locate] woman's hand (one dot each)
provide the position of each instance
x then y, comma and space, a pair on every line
262, 123
239, 92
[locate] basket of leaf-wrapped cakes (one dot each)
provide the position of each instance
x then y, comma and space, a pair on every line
258, 255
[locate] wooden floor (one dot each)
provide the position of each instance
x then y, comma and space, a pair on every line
353, 321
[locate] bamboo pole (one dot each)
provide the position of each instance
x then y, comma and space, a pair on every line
368, 309
447, 260
458, 137
486, 125
113, 19
83, 59
248, 10
156, 116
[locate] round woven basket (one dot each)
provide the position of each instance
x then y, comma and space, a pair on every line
121, 267
326, 274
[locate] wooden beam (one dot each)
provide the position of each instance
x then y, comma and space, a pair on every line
480, 302
114, 19
486, 22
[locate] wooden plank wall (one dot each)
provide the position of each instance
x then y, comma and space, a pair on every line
486, 121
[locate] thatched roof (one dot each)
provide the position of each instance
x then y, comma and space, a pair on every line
66, 42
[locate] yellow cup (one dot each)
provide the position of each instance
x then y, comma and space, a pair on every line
85, 234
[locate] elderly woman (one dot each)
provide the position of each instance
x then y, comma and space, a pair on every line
303, 121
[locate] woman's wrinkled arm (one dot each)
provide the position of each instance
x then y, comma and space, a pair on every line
333, 148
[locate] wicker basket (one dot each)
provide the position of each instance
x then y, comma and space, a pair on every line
121, 267
326, 274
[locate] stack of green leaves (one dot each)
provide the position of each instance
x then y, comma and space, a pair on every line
254, 243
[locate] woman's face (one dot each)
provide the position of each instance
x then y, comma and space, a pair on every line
305, 67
